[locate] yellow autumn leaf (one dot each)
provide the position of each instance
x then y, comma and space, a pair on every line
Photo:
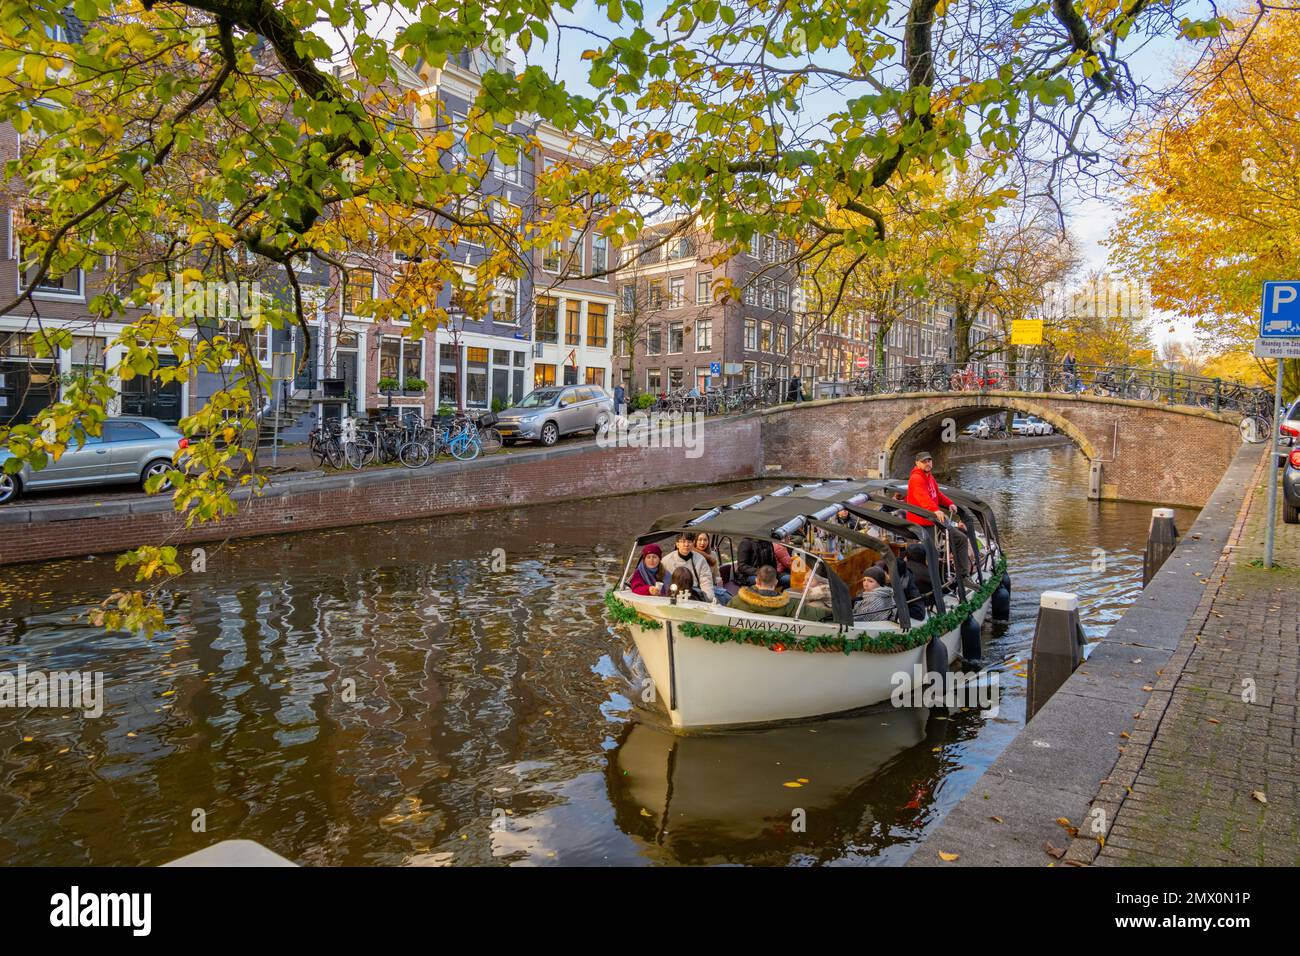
949, 857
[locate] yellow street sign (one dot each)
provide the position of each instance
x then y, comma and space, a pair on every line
1026, 331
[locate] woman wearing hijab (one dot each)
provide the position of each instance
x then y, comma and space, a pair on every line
645, 577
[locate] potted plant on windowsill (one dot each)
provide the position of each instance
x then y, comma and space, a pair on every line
415, 387
387, 386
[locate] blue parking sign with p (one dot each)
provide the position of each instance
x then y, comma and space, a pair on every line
1280, 318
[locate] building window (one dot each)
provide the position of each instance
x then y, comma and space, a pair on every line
676, 377
599, 253
597, 322
261, 339
676, 292
680, 248
551, 258
703, 335
543, 375
458, 127
655, 297
574, 266
704, 288
476, 377
401, 358
765, 337
654, 341
751, 294
548, 319
89, 355
782, 296
767, 293
358, 290
447, 377
595, 376
505, 307
629, 298
653, 381
751, 334
573, 322
675, 338
702, 378
781, 333
70, 284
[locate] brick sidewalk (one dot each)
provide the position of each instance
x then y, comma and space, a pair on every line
1211, 771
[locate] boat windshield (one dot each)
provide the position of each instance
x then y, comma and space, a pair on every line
540, 398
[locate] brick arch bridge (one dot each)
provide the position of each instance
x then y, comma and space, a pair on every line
1138, 451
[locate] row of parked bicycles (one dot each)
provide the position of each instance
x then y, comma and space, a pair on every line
409, 441
724, 401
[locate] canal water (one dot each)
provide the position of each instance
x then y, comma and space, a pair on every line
448, 692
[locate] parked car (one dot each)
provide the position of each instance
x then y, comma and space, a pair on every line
1289, 428
1021, 425
977, 429
130, 449
546, 414
1040, 427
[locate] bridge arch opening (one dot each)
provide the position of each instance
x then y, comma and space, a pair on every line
935, 426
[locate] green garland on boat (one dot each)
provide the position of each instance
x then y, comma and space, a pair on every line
627, 614
889, 642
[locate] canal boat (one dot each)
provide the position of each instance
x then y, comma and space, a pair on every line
717, 666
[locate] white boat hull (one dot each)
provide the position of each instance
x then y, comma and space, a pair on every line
705, 684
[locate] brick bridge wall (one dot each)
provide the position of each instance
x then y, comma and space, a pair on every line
1147, 451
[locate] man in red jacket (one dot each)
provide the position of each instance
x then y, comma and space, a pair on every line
923, 491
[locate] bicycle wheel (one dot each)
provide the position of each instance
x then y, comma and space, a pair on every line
334, 453
1254, 429
465, 447
490, 440
359, 453
414, 454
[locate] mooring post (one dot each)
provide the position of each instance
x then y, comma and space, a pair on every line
1161, 541
1058, 648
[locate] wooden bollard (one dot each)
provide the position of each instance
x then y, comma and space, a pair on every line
1058, 648
1161, 541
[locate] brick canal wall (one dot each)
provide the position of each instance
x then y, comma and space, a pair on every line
1147, 452
729, 451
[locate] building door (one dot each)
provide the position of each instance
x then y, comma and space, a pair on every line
144, 395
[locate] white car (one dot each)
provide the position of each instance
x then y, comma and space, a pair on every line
977, 430
1023, 426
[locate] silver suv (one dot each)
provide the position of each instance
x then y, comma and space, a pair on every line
130, 449
545, 414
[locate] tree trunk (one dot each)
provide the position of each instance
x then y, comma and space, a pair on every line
961, 332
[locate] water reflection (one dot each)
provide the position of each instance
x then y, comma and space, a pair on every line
382, 695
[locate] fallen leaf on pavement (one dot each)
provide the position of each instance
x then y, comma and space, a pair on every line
949, 857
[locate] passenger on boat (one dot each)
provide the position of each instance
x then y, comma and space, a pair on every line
645, 577
765, 597
842, 517
704, 546
876, 603
923, 491
919, 567
753, 554
685, 556
683, 584
915, 602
